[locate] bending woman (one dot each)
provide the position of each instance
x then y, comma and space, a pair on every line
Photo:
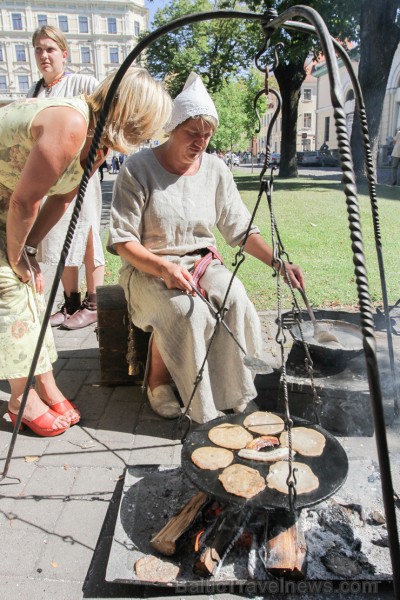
166, 203
44, 145
51, 52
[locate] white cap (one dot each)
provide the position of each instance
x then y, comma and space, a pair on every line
194, 100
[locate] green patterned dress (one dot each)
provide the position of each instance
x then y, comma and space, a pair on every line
21, 307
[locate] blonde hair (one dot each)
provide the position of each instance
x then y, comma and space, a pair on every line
54, 34
140, 107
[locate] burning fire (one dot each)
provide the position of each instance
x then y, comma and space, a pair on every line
197, 541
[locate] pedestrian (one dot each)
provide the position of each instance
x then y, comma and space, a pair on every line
396, 159
51, 54
167, 201
115, 164
44, 146
103, 166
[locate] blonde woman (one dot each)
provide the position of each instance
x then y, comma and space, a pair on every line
44, 145
51, 53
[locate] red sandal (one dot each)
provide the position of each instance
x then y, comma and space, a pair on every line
61, 408
41, 425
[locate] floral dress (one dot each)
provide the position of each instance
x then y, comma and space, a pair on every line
21, 308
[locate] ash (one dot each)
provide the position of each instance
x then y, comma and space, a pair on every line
345, 541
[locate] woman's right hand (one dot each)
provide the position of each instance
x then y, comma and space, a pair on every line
176, 277
24, 273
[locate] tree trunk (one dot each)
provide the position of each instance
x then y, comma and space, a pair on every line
290, 78
379, 38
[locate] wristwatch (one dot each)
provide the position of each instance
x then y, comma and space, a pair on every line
30, 250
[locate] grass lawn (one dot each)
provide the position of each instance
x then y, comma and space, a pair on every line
311, 214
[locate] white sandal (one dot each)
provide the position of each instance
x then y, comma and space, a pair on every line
164, 402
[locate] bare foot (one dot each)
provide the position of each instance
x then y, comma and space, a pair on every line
36, 408
51, 395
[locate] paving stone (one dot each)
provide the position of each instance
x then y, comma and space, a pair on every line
64, 559
92, 402
82, 364
154, 443
23, 551
90, 453
80, 521
25, 588
96, 482
40, 504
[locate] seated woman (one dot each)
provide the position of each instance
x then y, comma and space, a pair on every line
166, 202
44, 145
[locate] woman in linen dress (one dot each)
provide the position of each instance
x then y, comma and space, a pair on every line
51, 53
166, 202
34, 163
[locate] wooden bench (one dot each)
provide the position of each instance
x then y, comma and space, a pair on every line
116, 337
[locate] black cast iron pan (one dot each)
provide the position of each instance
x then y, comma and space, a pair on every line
330, 468
349, 336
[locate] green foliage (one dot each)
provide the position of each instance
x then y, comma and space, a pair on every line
238, 119
215, 49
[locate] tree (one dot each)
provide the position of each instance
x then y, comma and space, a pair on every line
379, 39
234, 103
294, 50
216, 49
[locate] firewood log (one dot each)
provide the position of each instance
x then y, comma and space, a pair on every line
165, 540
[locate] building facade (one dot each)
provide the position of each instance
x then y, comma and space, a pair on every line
306, 120
100, 34
390, 121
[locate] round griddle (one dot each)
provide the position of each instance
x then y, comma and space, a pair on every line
349, 335
330, 468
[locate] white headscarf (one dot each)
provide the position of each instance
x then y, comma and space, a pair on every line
194, 100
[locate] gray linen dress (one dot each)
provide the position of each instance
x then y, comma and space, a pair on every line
90, 215
173, 216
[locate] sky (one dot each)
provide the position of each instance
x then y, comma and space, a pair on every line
153, 6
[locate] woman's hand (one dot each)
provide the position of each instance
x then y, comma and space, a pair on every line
25, 270
295, 275
176, 277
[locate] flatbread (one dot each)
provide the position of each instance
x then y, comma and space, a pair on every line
210, 458
231, 436
306, 481
306, 441
242, 481
151, 568
264, 423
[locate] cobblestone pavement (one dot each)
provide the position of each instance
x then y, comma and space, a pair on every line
59, 503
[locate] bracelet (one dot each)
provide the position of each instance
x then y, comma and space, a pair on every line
30, 250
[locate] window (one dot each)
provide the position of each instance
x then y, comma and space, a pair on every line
112, 25
3, 84
23, 83
137, 28
17, 21
307, 120
1, 54
85, 54
83, 25
114, 55
326, 132
63, 23
307, 95
42, 20
20, 53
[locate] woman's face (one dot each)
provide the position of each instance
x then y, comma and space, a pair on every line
191, 139
50, 59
